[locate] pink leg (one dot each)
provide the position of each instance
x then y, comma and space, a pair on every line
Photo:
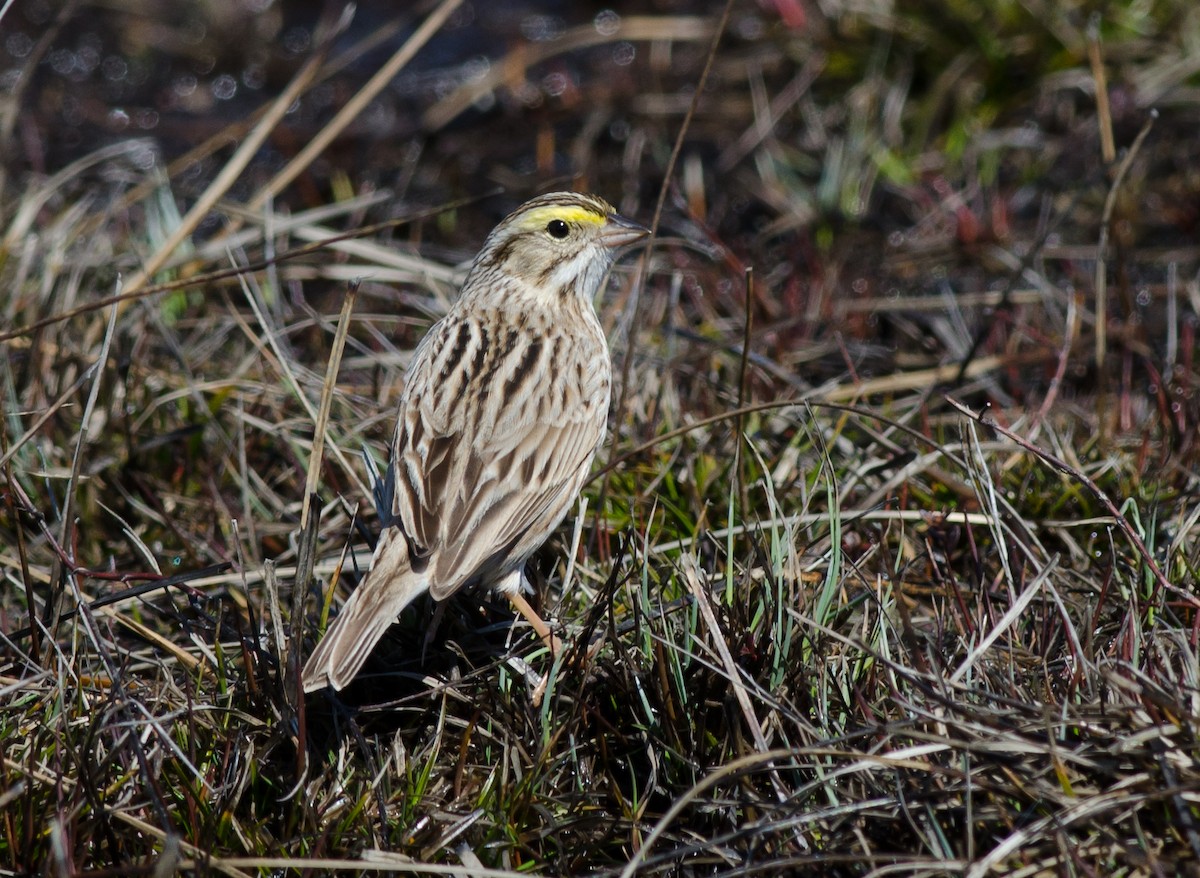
543, 630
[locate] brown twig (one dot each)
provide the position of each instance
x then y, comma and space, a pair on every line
1108, 148
1060, 372
327, 388
1110, 204
640, 270
743, 378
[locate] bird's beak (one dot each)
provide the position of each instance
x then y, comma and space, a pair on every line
619, 231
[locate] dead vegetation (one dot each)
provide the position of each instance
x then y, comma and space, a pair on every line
893, 553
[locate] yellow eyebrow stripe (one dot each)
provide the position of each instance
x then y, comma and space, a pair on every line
539, 216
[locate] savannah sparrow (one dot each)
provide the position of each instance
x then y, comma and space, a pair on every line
503, 408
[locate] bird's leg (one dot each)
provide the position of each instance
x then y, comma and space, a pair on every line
517, 599
543, 630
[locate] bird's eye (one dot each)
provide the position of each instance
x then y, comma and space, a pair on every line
557, 229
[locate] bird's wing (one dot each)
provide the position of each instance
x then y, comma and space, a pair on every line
482, 477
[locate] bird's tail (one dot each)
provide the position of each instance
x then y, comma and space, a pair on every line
389, 587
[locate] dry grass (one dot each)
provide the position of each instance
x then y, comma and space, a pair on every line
893, 554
